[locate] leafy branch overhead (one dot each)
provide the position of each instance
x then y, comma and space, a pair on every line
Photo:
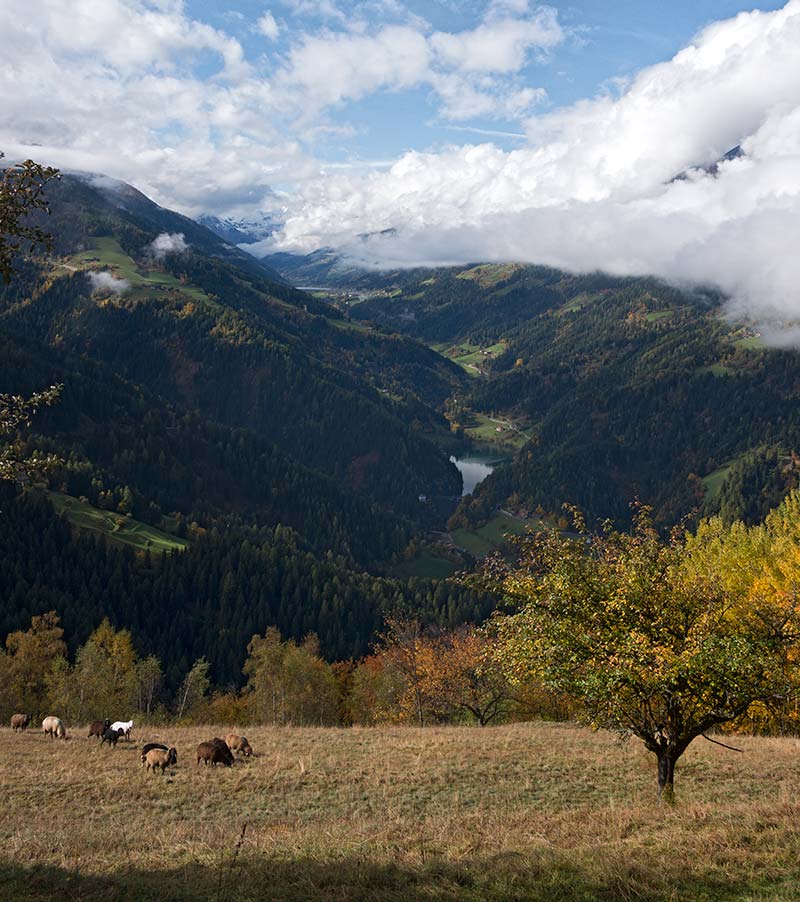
22, 193
15, 413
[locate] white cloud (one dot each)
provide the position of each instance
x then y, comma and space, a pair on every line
343, 66
323, 9
499, 44
167, 243
142, 91
107, 283
594, 187
468, 70
268, 26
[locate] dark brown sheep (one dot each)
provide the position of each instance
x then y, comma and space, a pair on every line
98, 727
214, 752
20, 721
162, 758
238, 743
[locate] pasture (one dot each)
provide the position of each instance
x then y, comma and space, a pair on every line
489, 537
106, 252
426, 565
526, 811
115, 527
480, 427
470, 357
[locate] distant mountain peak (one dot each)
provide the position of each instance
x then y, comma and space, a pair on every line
239, 231
711, 168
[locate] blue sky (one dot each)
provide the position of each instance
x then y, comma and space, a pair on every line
604, 42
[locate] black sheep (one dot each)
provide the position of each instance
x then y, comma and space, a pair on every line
110, 736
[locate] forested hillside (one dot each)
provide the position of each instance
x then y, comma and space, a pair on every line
235, 453
278, 450
217, 336
209, 600
611, 389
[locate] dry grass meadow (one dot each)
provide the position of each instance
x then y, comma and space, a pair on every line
528, 811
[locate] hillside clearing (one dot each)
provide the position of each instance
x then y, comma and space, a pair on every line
714, 481
489, 537
480, 427
527, 811
106, 251
470, 357
115, 527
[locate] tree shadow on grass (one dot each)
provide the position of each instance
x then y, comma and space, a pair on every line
505, 877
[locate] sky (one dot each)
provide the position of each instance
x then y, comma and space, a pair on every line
468, 129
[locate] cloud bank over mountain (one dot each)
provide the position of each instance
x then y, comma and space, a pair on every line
595, 187
141, 90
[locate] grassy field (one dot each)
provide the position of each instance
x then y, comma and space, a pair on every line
521, 812
116, 527
470, 357
487, 275
713, 482
579, 302
657, 316
482, 428
753, 343
107, 253
488, 537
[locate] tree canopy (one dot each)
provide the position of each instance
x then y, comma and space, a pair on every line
644, 635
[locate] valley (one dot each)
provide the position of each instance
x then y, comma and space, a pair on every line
207, 403
399, 451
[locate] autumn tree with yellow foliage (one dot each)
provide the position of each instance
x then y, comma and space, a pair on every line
24, 666
647, 638
102, 682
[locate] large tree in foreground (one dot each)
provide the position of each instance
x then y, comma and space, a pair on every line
649, 644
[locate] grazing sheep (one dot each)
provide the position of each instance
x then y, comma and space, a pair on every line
110, 735
160, 758
20, 721
149, 747
123, 726
54, 727
98, 727
214, 752
238, 743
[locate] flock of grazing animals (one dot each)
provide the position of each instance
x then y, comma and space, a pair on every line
154, 755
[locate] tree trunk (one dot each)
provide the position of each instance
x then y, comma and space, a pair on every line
666, 775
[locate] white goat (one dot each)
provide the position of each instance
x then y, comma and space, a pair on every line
125, 725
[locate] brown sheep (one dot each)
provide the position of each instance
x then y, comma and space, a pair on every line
238, 743
98, 727
162, 758
20, 721
148, 747
214, 752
